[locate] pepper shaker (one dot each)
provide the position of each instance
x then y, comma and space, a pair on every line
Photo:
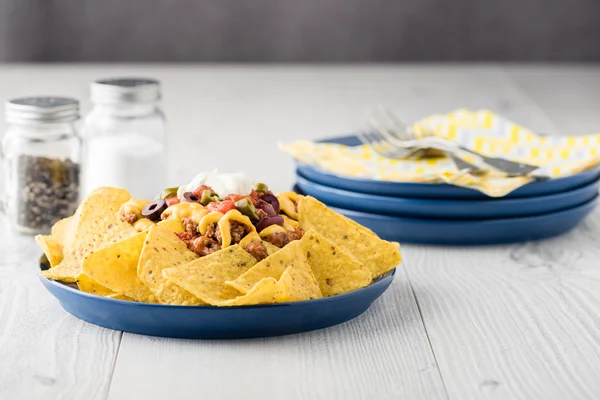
40, 155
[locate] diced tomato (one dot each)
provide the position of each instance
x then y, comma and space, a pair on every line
172, 200
198, 191
221, 206
254, 196
234, 197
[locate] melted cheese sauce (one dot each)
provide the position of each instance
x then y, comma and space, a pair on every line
193, 211
133, 206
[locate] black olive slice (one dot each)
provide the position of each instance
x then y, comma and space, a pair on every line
154, 209
190, 197
272, 200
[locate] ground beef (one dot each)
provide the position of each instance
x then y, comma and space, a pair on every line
185, 236
296, 234
280, 239
257, 250
190, 226
203, 245
238, 231
129, 217
200, 244
211, 241
213, 232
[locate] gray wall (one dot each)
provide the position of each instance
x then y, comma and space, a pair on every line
299, 30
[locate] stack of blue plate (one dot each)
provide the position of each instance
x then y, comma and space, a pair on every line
443, 214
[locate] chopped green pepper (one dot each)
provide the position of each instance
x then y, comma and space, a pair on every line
208, 196
246, 207
262, 188
168, 193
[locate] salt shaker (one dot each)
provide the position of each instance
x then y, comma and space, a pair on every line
124, 137
40, 154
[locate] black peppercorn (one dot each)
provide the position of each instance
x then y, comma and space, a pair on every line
48, 190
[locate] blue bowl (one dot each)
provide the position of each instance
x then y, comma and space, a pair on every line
434, 190
203, 322
471, 232
453, 209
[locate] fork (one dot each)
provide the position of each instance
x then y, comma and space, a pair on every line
397, 134
382, 147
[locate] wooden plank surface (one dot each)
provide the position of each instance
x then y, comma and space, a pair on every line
505, 322
514, 322
45, 353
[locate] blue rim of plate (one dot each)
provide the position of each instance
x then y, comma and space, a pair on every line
491, 208
432, 190
380, 280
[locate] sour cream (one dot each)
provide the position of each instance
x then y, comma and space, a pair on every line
222, 183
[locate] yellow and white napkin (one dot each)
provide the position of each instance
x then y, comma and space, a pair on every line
482, 131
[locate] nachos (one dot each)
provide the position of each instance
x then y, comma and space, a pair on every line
219, 240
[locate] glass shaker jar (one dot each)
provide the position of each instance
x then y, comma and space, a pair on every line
124, 137
41, 154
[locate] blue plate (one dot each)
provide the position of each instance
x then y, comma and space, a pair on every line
434, 190
471, 232
454, 209
202, 322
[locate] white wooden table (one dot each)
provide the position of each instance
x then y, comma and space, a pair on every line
498, 322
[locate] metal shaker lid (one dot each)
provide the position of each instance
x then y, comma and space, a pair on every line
125, 90
43, 109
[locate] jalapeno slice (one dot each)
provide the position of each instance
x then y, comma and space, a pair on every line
246, 207
262, 188
168, 193
208, 196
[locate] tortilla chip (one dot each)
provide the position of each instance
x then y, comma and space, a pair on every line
172, 224
52, 249
297, 282
336, 271
67, 271
96, 224
263, 292
162, 249
119, 296
89, 285
272, 266
271, 248
115, 267
378, 255
60, 230
360, 227
206, 276
142, 224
